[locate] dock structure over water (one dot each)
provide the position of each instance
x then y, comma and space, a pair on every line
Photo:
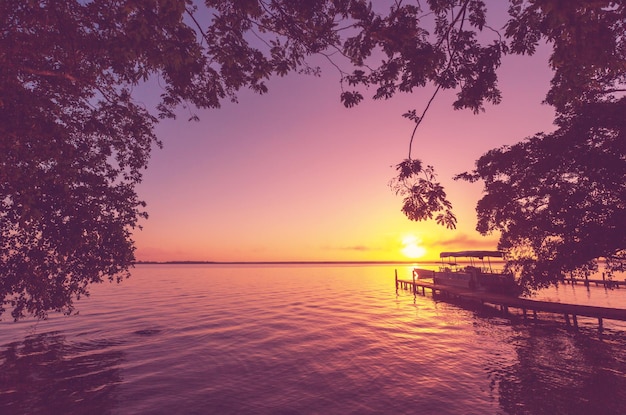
505, 302
606, 283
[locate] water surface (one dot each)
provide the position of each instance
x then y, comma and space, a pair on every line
209, 339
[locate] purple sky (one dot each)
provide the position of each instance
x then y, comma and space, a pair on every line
293, 175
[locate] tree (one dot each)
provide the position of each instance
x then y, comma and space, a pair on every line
559, 199
74, 142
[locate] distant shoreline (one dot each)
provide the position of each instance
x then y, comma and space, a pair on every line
279, 262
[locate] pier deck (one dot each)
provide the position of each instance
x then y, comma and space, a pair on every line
505, 302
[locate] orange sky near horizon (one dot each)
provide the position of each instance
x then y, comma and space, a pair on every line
294, 176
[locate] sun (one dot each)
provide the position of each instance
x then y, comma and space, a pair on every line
412, 247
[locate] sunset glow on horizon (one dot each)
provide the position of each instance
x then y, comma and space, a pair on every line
292, 175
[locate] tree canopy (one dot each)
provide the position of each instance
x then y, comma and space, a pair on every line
559, 199
74, 141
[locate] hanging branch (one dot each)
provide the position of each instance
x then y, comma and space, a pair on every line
418, 120
424, 197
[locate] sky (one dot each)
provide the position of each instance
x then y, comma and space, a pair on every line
293, 175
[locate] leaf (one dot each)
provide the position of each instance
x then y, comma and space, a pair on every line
412, 115
350, 99
408, 168
423, 195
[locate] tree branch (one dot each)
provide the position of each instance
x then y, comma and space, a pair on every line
50, 74
421, 118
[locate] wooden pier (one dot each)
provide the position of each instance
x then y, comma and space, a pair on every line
504, 302
606, 283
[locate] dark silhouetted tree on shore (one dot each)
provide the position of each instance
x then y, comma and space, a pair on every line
559, 199
74, 142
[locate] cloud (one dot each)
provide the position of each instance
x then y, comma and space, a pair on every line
468, 242
353, 248
359, 248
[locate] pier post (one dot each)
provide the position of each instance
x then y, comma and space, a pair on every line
600, 327
575, 321
567, 319
414, 286
396, 279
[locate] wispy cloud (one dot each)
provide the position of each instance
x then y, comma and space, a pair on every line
359, 248
469, 242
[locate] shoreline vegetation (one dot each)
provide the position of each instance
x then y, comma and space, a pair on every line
305, 262
282, 262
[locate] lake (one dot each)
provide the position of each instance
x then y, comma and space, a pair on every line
306, 339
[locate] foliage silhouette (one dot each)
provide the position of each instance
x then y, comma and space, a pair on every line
423, 196
559, 199
74, 142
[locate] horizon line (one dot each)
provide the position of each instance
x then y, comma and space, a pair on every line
280, 262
